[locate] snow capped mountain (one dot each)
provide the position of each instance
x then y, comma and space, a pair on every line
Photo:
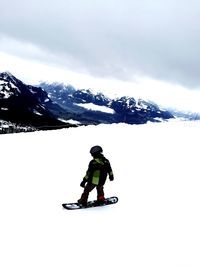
55, 105
26, 104
96, 108
8, 86
49, 106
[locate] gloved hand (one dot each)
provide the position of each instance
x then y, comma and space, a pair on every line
82, 184
111, 178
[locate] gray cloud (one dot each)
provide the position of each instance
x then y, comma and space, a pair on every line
111, 38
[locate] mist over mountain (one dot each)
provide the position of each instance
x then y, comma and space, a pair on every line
55, 105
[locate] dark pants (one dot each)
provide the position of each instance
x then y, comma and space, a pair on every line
88, 188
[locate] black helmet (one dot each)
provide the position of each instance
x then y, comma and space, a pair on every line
96, 150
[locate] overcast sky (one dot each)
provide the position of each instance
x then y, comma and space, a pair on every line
121, 40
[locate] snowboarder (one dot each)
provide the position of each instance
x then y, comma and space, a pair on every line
99, 168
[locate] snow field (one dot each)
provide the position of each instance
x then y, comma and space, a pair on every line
155, 223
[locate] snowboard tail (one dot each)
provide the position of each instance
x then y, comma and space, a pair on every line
90, 204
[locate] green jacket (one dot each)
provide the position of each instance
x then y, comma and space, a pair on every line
98, 170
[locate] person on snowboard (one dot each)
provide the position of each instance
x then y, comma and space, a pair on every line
98, 169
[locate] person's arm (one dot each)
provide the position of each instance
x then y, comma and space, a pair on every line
110, 172
86, 177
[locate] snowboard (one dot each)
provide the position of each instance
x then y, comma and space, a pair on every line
90, 204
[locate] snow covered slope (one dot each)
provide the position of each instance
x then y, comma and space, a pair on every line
155, 223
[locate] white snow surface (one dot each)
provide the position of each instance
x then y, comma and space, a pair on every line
71, 121
157, 179
94, 107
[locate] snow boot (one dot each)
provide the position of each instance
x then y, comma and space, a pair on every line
100, 199
82, 202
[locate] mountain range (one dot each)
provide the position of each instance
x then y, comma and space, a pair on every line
26, 104
86, 107
51, 106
